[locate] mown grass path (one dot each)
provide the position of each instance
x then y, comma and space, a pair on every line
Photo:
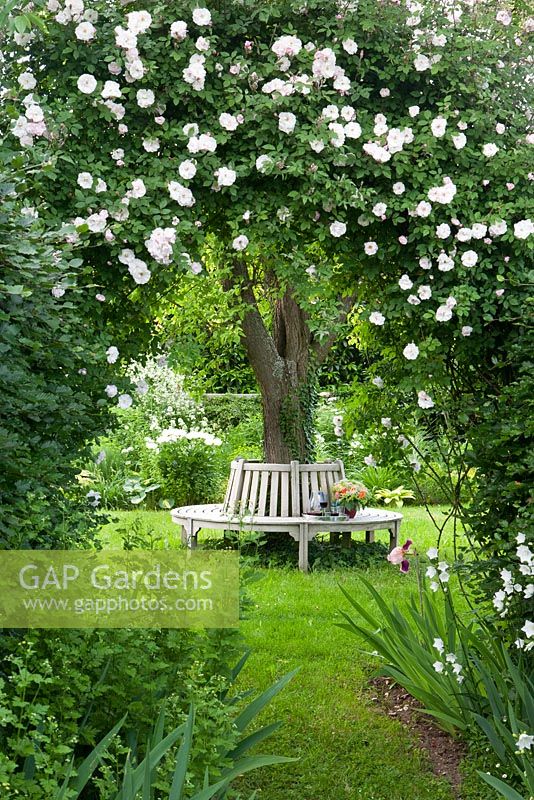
347, 746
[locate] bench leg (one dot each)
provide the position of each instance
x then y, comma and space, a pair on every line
189, 535
303, 548
369, 536
346, 540
393, 536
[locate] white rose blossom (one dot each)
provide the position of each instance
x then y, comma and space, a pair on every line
411, 351
338, 229
240, 242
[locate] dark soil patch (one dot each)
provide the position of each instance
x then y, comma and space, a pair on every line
445, 752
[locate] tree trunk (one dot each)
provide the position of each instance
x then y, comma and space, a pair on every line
284, 365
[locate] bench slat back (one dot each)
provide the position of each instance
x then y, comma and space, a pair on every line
277, 490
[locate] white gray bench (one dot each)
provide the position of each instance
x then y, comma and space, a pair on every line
274, 497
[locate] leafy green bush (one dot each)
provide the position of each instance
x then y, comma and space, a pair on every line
188, 471
63, 687
52, 371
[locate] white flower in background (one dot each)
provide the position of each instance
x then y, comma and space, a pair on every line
324, 64
352, 130
369, 460
27, 81
523, 229
338, 131
439, 645
438, 666
93, 498
524, 742
112, 354
151, 145
86, 83
145, 98
379, 209
350, 46
411, 351
443, 231
378, 382
138, 188
377, 152
398, 188
125, 39
469, 258
503, 16
444, 313
85, 31
490, 149
139, 21
376, 318
139, 271
240, 242
263, 163
187, 169
160, 243
421, 63
431, 572
413, 111
287, 46
85, 180
228, 121
438, 127
464, 234
202, 44
286, 122
498, 228
124, 401
101, 186
179, 30
479, 230
445, 262
201, 17
386, 422
467, 330
459, 141
443, 194
330, 113
423, 209
413, 300
183, 196
500, 128
348, 113
405, 283
381, 125
432, 553
57, 292
424, 292
225, 176
424, 400
370, 248
338, 229
97, 222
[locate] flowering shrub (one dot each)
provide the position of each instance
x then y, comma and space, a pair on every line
401, 169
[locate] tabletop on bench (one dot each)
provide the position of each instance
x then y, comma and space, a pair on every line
214, 513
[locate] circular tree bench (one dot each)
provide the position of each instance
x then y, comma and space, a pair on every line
274, 498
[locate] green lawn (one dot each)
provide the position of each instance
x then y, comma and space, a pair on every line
346, 745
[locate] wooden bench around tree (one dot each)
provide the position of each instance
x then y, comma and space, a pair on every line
273, 498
